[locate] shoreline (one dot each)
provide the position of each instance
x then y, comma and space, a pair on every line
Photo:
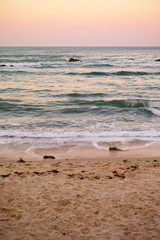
78, 152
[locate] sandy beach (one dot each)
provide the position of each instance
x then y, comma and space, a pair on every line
116, 197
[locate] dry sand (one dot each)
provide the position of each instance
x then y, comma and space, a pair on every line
80, 199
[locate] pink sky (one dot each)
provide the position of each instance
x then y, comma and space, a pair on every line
79, 22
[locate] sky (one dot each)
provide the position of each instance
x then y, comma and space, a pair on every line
79, 22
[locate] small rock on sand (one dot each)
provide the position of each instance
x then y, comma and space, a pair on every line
114, 149
21, 160
48, 157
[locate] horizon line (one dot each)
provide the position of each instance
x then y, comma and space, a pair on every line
80, 46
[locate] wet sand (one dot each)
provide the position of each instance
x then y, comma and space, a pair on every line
82, 198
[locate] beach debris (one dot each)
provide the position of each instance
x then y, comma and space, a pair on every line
125, 160
5, 175
157, 60
48, 157
109, 177
21, 160
74, 60
119, 175
53, 171
70, 175
97, 177
133, 167
81, 178
38, 173
19, 173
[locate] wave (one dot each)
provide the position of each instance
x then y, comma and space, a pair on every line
117, 73
15, 106
76, 104
122, 103
15, 72
98, 65
77, 95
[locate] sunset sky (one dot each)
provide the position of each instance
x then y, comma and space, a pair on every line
79, 22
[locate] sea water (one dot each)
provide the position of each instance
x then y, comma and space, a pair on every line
111, 98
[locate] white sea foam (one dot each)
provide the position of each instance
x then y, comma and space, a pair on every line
57, 134
155, 111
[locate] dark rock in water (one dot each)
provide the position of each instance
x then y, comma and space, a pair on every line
157, 60
49, 157
2, 65
114, 149
21, 160
74, 60
11, 66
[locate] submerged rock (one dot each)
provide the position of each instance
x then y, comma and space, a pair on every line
49, 157
2, 65
74, 60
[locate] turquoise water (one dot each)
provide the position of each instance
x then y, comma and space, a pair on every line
112, 96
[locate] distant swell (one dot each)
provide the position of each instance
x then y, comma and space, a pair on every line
100, 65
118, 73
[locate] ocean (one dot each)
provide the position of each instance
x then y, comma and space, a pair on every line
111, 98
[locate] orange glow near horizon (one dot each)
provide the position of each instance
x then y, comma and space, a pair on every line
79, 22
